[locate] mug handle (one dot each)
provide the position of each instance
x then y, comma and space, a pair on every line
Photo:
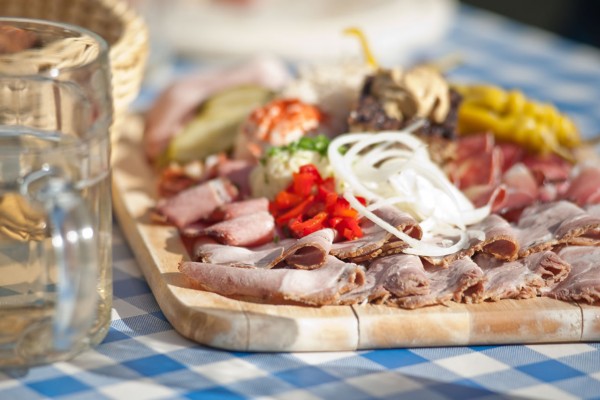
75, 252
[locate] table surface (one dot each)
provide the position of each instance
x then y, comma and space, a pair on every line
143, 357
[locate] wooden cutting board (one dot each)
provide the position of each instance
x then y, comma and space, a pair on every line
221, 322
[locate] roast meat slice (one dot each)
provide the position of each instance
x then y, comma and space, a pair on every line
313, 287
523, 278
196, 202
499, 240
462, 281
247, 230
583, 282
375, 237
239, 208
543, 226
236, 256
309, 252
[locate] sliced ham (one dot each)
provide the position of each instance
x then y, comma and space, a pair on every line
314, 287
246, 230
240, 208
584, 185
583, 282
197, 202
523, 278
462, 282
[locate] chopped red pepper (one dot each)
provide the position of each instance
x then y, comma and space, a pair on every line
311, 203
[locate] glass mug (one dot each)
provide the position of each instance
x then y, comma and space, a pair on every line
55, 196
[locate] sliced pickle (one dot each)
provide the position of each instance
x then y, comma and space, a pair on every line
214, 129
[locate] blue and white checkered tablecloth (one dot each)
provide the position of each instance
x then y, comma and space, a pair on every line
144, 358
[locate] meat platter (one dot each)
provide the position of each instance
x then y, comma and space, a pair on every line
237, 324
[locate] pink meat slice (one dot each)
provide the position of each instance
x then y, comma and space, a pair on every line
239, 208
246, 230
314, 287
177, 103
463, 281
583, 282
197, 202
523, 278
584, 186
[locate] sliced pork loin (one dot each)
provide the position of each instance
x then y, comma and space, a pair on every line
247, 230
309, 252
463, 281
321, 286
196, 202
523, 278
545, 225
583, 282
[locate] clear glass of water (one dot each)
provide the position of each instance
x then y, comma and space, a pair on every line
55, 199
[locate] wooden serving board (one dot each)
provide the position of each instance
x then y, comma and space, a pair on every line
222, 322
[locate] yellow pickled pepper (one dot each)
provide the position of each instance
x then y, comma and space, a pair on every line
512, 117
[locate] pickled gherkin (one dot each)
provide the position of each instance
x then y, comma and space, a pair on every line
511, 117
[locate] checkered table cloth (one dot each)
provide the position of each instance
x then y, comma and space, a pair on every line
144, 358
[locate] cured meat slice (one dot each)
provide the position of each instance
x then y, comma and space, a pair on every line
239, 208
584, 186
523, 278
314, 287
583, 282
544, 226
500, 240
197, 202
462, 282
247, 230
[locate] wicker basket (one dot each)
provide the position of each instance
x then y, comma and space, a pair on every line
114, 20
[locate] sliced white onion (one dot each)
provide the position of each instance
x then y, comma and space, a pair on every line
395, 168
